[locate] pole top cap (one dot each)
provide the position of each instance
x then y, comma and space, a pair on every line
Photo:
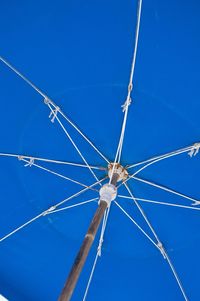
118, 169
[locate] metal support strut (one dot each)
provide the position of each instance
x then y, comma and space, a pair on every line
108, 193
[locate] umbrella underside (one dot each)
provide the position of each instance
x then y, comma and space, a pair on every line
149, 230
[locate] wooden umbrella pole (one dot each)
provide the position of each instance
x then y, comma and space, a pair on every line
85, 248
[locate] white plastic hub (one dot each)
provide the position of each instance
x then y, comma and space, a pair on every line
118, 169
108, 193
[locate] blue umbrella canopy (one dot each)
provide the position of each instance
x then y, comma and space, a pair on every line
79, 54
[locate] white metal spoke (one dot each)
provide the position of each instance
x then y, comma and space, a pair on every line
22, 226
164, 156
53, 104
81, 133
159, 244
143, 213
79, 192
104, 224
91, 276
196, 202
159, 203
22, 76
157, 160
51, 209
73, 206
50, 161
136, 224
98, 254
130, 87
176, 277
29, 163
72, 141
